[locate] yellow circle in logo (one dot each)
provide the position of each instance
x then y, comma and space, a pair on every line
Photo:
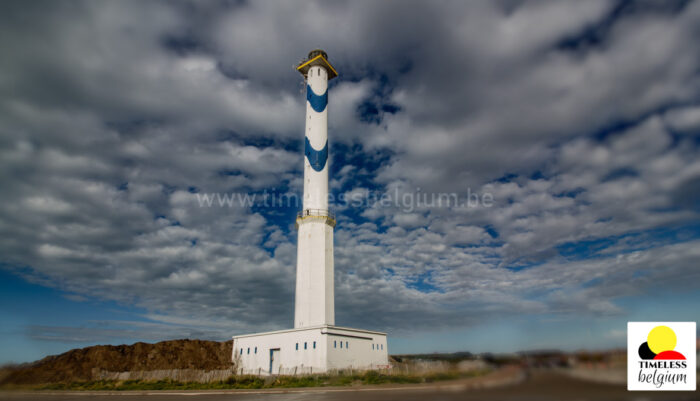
660, 339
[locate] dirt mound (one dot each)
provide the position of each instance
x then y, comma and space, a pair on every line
78, 364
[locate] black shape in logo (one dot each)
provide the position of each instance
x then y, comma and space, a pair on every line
645, 352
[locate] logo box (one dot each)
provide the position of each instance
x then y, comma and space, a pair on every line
661, 356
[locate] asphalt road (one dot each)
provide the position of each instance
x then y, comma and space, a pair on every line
539, 386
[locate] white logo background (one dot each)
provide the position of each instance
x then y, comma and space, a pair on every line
637, 333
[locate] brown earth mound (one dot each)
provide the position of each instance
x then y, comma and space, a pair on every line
78, 364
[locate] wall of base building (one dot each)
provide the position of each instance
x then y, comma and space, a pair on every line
335, 349
356, 349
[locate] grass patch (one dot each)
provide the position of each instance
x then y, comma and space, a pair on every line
256, 382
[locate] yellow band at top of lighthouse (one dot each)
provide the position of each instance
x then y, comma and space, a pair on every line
318, 60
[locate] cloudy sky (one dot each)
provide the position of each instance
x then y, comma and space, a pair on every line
580, 119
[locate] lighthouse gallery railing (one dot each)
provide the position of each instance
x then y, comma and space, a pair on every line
317, 213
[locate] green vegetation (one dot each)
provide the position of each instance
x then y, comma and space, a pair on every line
255, 382
447, 357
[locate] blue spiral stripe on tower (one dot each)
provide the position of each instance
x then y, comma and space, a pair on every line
318, 102
317, 158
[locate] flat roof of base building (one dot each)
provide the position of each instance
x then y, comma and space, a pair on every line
310, 328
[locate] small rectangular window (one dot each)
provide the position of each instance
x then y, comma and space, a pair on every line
372, 346
314, 344
346, 345
304, 345
256, 350
248, 350
335, 344
382, 346
241, 351
341, 344
297, 346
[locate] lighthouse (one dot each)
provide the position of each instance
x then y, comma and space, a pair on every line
314, 304
315, 344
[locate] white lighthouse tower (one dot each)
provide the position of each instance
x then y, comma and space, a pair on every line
314, 291
315, 344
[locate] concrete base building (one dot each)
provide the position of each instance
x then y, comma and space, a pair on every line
315, 344
309, 350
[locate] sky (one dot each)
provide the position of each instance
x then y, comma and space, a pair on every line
567, 131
